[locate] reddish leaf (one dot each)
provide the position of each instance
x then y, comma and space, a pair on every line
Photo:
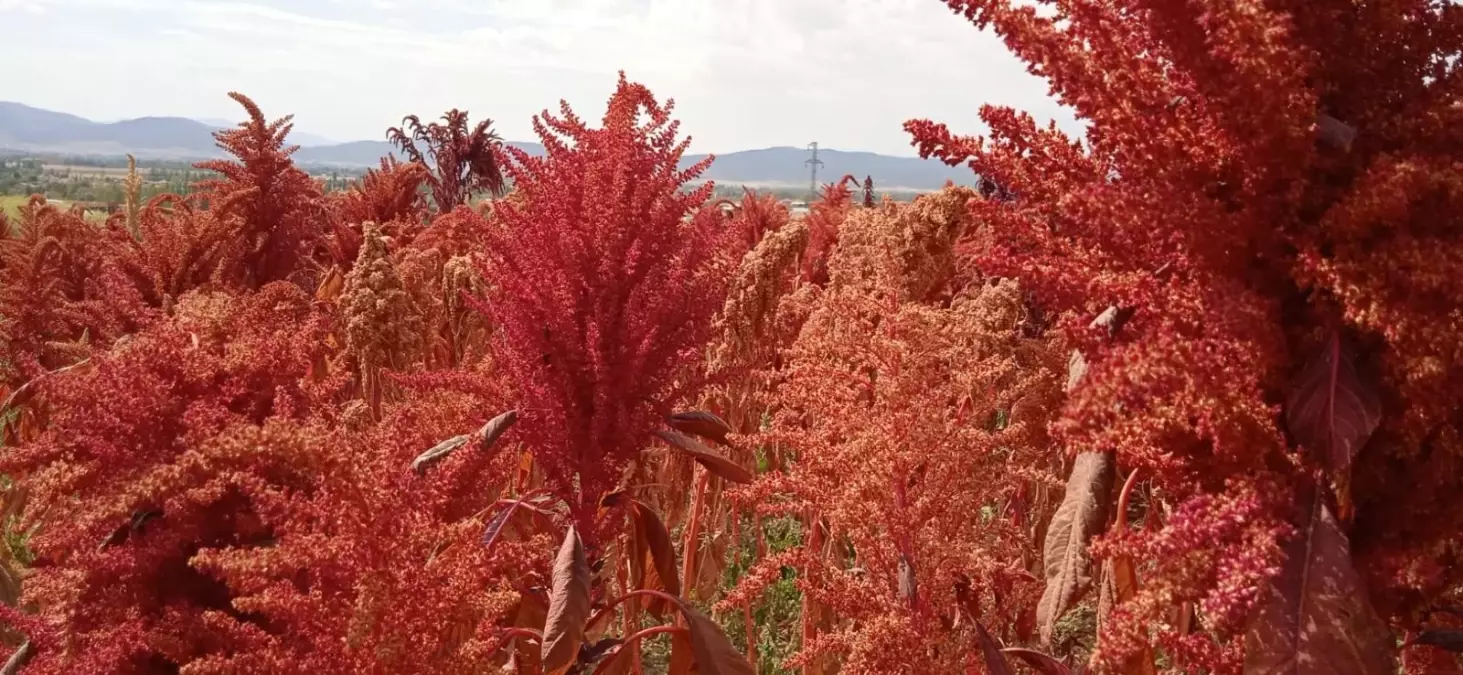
714, 462
995, 661
1081, 516
700, 423
1041, 663
1315, 616
1332, 412
683, 656
618, 661
714, 653
438, 452
653, 564
568, 606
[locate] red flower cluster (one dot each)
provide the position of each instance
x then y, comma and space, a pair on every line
1256, 177
604, 288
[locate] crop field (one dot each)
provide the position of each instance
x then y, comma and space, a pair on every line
10, 204
1184, 395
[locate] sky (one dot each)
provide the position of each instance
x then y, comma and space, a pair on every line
744, 73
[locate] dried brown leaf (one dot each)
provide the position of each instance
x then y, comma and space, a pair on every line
331, 286
1081, 516
705, 456
1332, 412
1076, 370
438, 452
1112, 319
568, 606
908, 585
701, 423
22, 654
1315, 616
489, 434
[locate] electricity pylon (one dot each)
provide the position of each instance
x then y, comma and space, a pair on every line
813, 162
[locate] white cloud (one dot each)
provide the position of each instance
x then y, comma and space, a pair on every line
744, 73
27, 6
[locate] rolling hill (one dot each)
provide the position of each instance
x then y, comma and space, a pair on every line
29, 129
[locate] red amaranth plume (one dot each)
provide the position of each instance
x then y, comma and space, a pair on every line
1257, 181
461, 161
824, 220
605, 288
275, 206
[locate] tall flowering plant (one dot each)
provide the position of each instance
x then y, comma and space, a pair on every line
604, 288
1266, 199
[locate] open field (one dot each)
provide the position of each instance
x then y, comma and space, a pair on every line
86, 171
10, 204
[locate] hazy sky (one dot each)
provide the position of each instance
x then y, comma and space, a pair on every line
744, 73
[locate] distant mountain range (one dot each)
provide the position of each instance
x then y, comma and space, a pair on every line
28, 129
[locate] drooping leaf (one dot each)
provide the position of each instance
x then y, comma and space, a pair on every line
1442, 638
1040, 662
995, 661
701, 423
653, 561
568, 606
705, 456
714, 653
1332, 412
601, 649
438, 452
1315, 616
683, 655
1081, 516
489, 434
331, 286
617, 661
